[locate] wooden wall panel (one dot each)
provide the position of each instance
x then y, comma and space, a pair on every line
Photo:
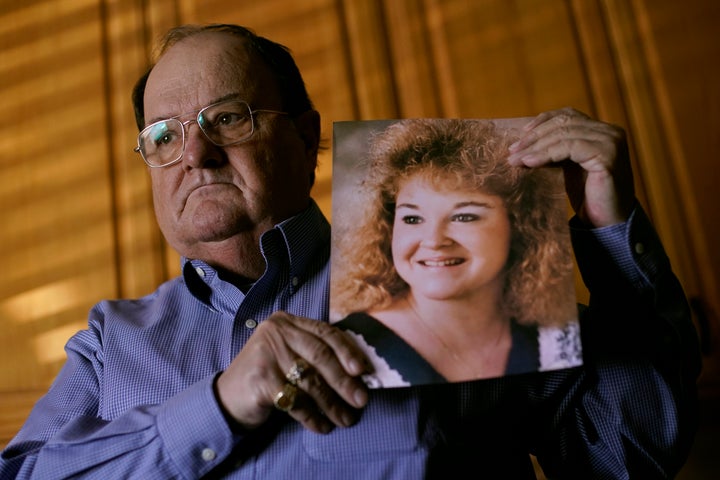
501, 58
140, 262
680, 47
416, 85
371, 70
57, 237
647, 133
55, 187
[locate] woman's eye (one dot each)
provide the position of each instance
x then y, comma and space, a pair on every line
411, 219
465, 217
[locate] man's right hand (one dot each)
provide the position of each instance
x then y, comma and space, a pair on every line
329, 393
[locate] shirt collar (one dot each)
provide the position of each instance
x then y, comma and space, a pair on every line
296, 242
305, 236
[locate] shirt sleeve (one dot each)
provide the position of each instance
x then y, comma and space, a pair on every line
630, 410
64, 436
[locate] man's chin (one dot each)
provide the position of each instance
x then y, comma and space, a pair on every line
218, 231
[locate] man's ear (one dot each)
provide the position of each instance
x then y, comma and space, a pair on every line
308, 126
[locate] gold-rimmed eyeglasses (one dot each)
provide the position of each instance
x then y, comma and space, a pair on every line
224, 123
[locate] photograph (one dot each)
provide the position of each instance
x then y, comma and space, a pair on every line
449, 264
359, 240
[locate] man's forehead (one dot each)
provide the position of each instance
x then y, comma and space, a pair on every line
198, 70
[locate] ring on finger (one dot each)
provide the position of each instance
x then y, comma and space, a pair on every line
284, 400
297, 371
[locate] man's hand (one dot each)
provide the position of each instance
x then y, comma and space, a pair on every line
594, 156
329, 392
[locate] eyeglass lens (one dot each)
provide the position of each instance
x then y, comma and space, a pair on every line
223, 124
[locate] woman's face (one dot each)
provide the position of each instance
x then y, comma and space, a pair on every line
449, 244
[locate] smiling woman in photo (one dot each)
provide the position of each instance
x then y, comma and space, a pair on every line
458, 265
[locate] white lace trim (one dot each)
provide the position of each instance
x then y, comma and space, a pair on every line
560, 347
384, 375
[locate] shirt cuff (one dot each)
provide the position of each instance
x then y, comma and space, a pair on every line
631, 250
195, 433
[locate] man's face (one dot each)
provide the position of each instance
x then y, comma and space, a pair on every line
215, 194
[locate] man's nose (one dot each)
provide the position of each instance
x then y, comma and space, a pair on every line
199, 149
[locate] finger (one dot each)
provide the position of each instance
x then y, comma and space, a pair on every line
307, 413
592, 144
321, 405
309, 399
352, 358
540, 119
330, 394
592, 155
291, 400
335, 359
323, 345
544, 123
299, 370
559, 117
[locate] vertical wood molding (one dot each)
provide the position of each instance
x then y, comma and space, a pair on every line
656, 167
709, 284
140, 263
370, 61
446, 93
674, 126
161, 15
604, 84
412, 59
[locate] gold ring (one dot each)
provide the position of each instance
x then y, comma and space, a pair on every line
296, 372
285, 399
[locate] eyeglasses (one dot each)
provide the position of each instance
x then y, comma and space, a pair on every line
224, 123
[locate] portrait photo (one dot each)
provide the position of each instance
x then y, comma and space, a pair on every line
449, 264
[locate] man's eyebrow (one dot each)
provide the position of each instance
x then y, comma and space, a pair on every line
229, 96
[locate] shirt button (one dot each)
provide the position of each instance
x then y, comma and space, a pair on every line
295, 281
250, 323
208, 454
639, 248
200, 272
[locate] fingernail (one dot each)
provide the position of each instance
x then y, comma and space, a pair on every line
514, 146
360, 366
360, 396
355, 367
348, 419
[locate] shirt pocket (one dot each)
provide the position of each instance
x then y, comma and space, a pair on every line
389, 427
